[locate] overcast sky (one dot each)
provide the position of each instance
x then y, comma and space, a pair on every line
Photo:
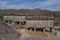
30, 4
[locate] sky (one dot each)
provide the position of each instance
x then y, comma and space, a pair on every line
30, 4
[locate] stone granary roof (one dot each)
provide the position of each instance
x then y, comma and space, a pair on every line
40, 17
36, 17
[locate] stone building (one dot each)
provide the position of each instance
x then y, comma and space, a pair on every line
14, 18
39, 23
30, 21
16, 21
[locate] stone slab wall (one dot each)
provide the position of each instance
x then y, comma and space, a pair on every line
31, 23
14, 18
39, 23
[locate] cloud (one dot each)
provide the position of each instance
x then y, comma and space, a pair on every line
13, 5
19, 4
52, 2
8, 5
49, 4
3, 4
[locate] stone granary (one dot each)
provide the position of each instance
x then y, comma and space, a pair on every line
30, 21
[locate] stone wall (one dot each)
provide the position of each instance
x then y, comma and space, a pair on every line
39, 23
14, 18
30, 23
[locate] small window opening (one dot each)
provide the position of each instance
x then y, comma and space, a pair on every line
17, 22
39, 29
10, 21
23, 23
31, 28
51, 29
6, 21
